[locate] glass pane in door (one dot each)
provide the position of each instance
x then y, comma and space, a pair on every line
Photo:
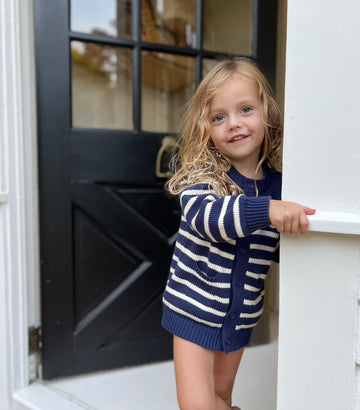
208, 64
101, 86
228, 28
167, 84
108, 18
170, 22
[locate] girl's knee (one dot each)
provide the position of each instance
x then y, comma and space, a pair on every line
225, 393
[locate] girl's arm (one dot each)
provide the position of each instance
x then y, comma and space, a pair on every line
289, 217
226, 218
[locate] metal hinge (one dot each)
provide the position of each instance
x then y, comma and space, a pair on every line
34, 336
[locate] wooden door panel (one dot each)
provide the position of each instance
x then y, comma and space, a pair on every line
126, 350
97, 258
157, 206
100, 156
105, 205
143, 326
113, 234
119, 308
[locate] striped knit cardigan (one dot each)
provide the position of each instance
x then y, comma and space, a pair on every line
225, 246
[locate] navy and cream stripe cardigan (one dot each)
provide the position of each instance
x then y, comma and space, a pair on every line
224, 248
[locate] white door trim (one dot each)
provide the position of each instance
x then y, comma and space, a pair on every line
19, 232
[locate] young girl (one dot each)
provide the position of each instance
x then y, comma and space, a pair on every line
229, 233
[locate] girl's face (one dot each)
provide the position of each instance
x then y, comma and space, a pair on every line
237, 128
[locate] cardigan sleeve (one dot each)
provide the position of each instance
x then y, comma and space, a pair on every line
220, 219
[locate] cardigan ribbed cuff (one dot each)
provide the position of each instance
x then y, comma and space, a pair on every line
257, 212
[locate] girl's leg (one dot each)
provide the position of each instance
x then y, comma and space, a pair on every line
195, 378
225, 369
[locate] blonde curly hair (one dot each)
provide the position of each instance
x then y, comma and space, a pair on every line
198, 161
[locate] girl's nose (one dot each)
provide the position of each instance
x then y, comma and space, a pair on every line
235, 122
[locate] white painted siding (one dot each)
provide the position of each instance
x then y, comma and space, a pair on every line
322, 149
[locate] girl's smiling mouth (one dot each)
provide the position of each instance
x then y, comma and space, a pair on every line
238, 138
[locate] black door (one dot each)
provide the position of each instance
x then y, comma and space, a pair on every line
113, 77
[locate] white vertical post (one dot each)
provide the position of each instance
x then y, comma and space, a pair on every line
318, 313
319, 273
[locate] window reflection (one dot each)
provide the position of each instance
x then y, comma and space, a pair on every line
167, 84
170, 22
101, 86
228, 29
208, 64
109, 18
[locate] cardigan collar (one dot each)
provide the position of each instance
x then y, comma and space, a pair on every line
248, 184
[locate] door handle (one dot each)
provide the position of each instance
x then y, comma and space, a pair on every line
168, 145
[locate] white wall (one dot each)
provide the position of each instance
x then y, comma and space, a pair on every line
322, 147
319, 273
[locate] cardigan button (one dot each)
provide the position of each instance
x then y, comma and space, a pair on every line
232, 316
243, 251
238, 283
227, 341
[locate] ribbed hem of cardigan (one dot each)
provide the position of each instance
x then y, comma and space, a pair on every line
257, 209
202, 335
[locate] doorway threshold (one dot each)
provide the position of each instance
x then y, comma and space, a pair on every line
151, 387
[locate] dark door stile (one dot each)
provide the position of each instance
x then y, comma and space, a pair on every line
107, 226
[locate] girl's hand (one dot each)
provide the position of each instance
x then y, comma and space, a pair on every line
289, 217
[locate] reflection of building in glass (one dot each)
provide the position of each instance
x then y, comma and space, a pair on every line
111, 17
101, 86
169, 22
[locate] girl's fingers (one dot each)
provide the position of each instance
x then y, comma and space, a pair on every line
287, 225
295, 225
303, 219
304, 223
309, 211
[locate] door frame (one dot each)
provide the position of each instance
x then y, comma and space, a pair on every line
19, 222
62, 146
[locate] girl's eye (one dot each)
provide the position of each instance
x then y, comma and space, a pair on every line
217, 118
246, 110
